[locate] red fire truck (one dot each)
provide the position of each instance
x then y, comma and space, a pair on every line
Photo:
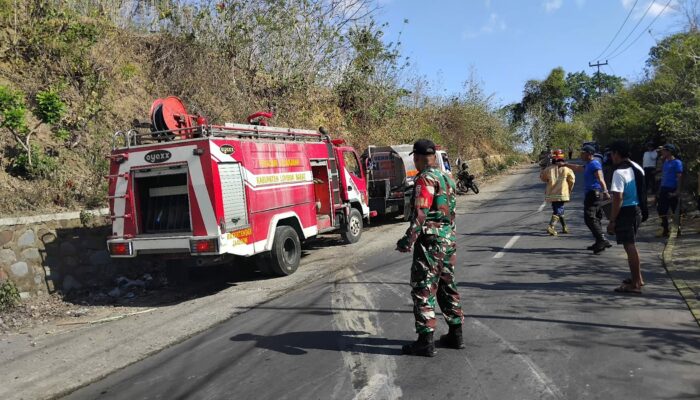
188, 188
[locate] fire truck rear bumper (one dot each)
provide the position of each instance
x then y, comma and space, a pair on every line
163, 245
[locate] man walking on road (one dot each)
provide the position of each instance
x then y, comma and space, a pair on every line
629, 210
649, 164
432, 271
669, 192
596, 192
560, 182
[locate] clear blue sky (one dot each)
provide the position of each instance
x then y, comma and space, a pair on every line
508, 42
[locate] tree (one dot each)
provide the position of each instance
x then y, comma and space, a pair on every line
584, 90
548, 105
13, 116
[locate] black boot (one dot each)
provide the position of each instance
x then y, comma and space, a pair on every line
453, 339
424, 346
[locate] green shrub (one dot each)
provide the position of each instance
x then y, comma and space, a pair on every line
49, 107
42, 166
86, 217
128, 71
63, 134
9, 295
12, 109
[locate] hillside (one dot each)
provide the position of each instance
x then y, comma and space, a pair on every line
72, 73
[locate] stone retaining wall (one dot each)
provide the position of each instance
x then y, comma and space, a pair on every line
45, 253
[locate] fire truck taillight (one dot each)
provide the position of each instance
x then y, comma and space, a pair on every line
120, 249
204, 246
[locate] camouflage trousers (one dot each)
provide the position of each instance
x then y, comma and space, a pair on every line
432, 277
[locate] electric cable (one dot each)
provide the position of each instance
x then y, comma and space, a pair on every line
618, 31
642, 32
633, 29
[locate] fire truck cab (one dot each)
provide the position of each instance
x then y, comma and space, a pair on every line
200, 190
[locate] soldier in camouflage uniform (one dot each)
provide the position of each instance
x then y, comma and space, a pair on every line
432, 231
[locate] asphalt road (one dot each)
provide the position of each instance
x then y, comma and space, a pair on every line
542, 322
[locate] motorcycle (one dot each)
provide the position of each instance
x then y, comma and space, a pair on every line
466, 181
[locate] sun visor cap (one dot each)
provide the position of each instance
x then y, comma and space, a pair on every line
423, 147
670, 147
588, 149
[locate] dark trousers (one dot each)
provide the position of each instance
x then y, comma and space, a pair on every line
592, 214
666, 206
650, 179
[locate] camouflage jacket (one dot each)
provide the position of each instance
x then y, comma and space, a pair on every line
434, 203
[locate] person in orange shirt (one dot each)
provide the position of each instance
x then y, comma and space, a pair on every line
560, 181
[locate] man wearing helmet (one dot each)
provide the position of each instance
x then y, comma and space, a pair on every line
560, 182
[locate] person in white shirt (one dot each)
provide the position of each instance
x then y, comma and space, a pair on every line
649, 164
629, 210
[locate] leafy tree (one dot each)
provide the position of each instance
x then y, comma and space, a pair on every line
549, 105
49, 109
585, 90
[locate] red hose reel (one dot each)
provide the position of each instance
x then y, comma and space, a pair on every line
169, 118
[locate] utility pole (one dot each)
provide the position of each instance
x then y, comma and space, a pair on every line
598, 65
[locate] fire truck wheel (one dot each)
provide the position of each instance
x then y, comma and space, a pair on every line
286, 251
351, 234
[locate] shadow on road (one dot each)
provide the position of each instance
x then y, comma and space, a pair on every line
298, 343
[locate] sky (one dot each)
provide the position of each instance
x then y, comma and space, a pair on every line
507, 42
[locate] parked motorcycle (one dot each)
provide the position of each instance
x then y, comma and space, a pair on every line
466, 181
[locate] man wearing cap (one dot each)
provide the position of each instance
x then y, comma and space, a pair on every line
596, 191
671, 175
431, 231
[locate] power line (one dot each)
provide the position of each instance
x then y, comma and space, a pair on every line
644, 31
611, 69
618, 31
633, 29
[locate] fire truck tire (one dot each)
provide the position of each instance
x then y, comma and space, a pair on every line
351, 234
286, 251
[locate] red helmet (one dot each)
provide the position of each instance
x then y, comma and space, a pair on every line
558, 155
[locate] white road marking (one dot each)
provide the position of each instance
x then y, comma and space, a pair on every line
542, 206
543, 383
372, 375
508, 245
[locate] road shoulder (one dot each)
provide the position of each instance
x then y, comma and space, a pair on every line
681, 258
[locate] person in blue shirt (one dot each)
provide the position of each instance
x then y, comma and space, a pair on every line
628, 211
596, 193
671, 174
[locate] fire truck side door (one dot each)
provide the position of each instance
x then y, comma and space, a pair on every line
233, 196
355, 187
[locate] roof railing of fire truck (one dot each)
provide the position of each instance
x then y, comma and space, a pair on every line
132, 137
